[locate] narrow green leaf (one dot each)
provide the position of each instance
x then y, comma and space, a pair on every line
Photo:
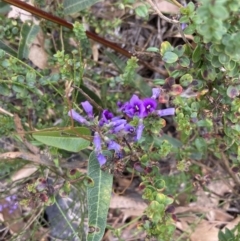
8, 49
74, 6
98, 198
153, 49
197, 53
28, 32
72, 139
116, 61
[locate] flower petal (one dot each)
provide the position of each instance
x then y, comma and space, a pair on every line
139, 130
88, 108
165, 112
112, 145
106, 117
77, 117
137, 106
97, 142
155, 93
150, 105
101, 159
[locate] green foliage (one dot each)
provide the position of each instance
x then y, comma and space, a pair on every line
28, 32
229, 235
74, 6
73, 139
98, 198
203, 85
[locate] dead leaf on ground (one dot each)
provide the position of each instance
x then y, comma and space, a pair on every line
167, 7
212, 214
232, 224
37, 53
24, 172
205, 231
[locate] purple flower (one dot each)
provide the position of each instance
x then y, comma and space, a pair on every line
118, 128
135, 107
97, 143
72, 113
165, 112
106, 117
116, 121
101, 159
155, 93
112, 145
139, 130
129, 128
120, 104
11, 204
150, 105
88, 108
183, 26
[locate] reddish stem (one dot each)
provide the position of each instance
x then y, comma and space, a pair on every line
42, 14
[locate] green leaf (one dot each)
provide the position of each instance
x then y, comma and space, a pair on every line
116, 61
28, 33
142, 11
165, 47
223, 58
98, 198
153, 49
170, 57
72, 139
4, 90
186, 80
74, 6
31, 77
232, 91
184, 61
215, 62
8, 49
4, 8
197, 53
159, 81
219, 12
179, 50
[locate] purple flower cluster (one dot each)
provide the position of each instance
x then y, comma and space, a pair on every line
119, 126
10, 203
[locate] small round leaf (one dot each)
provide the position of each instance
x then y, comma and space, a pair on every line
170, 57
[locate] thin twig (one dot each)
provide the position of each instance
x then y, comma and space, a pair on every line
172, 21
176, 3
225, 162
88, 98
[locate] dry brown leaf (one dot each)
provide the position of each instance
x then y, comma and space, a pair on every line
233, 223
190, 37
37, 53
95, 52
131, 204
212, 214
24, 172
22, 14
167, 7
131, 201
183, 222
204, 231
21, 133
